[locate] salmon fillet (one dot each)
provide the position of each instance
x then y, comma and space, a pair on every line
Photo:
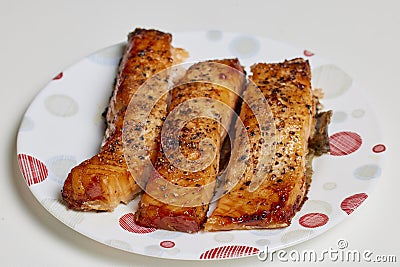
287, 88
177, 197
104, 181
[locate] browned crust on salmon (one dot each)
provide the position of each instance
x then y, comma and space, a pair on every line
103, 181
287, 88
174, 210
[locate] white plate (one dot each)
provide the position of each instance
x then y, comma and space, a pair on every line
63, 126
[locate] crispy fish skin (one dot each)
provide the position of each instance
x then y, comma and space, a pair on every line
158, 209
104, 181
287, 88
147, 53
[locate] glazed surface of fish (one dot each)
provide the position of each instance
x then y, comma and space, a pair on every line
177, 194
103, 181
273, 203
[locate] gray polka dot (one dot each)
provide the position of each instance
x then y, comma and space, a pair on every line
26, 124
332, 80
173, 251
163, 234
109, 56
60, 166
295, 235
316, 206
245, 46
329, 186
339, 116
367, 172
61, 105
153, 250
358, 113
263, 242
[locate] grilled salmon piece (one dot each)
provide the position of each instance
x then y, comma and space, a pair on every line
103, 181
177, 197
287, 88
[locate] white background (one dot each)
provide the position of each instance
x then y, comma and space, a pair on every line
43, 37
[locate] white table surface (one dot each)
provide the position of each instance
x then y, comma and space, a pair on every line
41, 38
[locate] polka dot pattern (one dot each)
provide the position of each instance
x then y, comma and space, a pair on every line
109, 56
358, 113
351, 203
172, 251
164, 234
229, 252
61, 105
27, 124
59, 76
167, 244
329, 186
33, 170
263, 242
367, 172
379, 148
320, 206
60, 166
313, 220
344, 143
295, 235
245, 46
308, 53
334, 81
127, 222
339, 116
153, 250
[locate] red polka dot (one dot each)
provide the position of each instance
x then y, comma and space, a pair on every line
59, 76
344, 143
308, 53
167, 244
313, 220
229, 252
33, 170
127, 222
379, 148
351, 203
